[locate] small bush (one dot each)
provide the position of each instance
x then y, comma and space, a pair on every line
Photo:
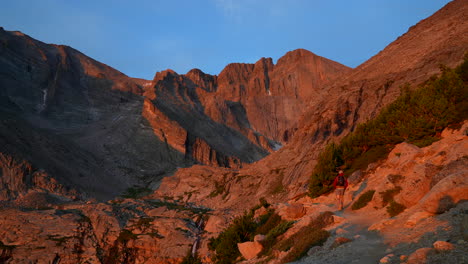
271, 236
387, 196
363, 200
307, 237
144, 222
126, 235
225, 245
395, 208
299, 244
7, 247
243, 229
136, 192
279, 229
395, 178
189, 259
325, 171
263, 202
220, 188
272, 220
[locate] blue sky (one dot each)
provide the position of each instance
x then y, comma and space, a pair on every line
141, 37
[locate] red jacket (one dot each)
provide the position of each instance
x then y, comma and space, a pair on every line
335, 182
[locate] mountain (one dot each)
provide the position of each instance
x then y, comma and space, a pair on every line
348, 101
99, 132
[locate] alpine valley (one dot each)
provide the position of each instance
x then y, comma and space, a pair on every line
99, 167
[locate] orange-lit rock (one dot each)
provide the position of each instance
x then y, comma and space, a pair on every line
250, 250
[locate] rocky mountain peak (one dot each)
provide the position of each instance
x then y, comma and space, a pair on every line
296, 55
202, 80
159, 76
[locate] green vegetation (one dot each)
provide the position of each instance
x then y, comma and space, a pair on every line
309, 236
178, 207
395, 208
387, 196
219, 189
270, 220
155, 235
242, 229
7, 247
417, 116
189, 259
59, 240
136, 192
271, 236
325, 170
395, 178
363, 200
126, 235
276, 185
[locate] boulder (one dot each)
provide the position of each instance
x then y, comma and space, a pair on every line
250, 250
379, 226
259, 212
416, 217
355, 177
386, 259
292, 211
340, 231
340, 241
338, 219
443, 246
259, 238
419, 256
215, 224
446, 193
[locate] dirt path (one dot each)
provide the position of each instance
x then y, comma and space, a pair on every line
365, 247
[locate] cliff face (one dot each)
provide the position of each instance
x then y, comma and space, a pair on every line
255, 107
279, 91
260, 102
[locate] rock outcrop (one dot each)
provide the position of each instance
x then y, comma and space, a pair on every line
117, 232
19, 178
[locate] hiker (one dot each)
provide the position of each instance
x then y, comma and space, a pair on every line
340, 183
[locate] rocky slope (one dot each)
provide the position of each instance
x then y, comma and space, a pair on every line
162, 227
433, 182
96, 130
354, 98
433, 189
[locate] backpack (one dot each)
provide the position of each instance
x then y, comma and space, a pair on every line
341, 181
